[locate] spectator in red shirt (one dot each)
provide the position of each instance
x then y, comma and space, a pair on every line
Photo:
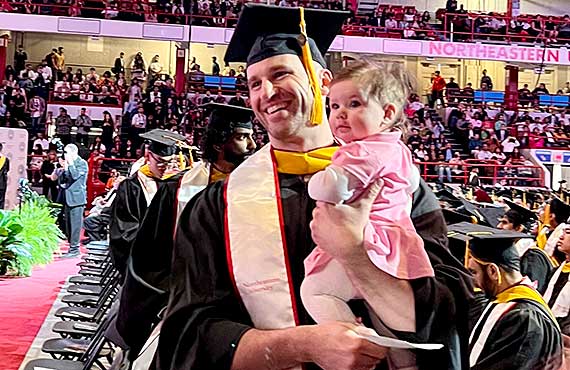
437, 87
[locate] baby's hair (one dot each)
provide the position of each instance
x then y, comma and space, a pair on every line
384, 82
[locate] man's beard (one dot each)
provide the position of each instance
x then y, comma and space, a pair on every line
236, 158
488, 286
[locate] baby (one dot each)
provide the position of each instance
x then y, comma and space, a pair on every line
367, 103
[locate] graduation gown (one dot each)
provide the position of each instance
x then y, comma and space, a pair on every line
558, 282
205, 318
145, 289
536, 264
129, 208
525, 337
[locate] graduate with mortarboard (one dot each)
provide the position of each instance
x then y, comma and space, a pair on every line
535, 263
165, 159
516, 330
227, 142
251, 234
559, 212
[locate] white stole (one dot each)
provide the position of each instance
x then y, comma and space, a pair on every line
561, 306
255, 242
492, 313
148, 185
193, 181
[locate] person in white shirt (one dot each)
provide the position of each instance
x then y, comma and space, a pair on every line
46, 73
138, 123
484, 154
509, 145
41, 141
391, 23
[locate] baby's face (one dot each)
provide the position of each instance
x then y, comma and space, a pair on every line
353, 117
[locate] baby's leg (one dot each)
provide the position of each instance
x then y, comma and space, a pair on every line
325, 294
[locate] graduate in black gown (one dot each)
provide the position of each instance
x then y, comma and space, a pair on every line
207, 324
136, 192
557, 293
534, 262
227, 142
517, 330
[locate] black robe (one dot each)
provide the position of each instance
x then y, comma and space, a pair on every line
560, 283
205, 319
145, 289
128, 211
525, 338
537, 266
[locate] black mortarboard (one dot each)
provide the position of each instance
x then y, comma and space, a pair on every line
264, 31
226, 117
453, 217
560, 209
163, 142
526, 215
488, 245
479, 213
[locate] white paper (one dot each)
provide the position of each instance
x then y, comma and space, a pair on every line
372, 336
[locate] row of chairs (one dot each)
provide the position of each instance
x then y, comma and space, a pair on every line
87, 313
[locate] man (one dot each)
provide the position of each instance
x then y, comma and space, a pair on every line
83, 123
4, 170
558, 216
215, 67
119, 66
63, 126
534, 262
20, 58
486, 80
237, 100
474, 178
73, 182
556, 294
37, 108
136, 192
240, 230
228, 141
96, 224
437, 87
49, 185
517, 329
59, 59
452, 90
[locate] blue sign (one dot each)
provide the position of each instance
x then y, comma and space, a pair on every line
566, 157
544, 155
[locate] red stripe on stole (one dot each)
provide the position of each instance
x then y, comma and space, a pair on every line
228, 246
284, 240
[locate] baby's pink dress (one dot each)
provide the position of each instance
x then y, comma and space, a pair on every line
390, 237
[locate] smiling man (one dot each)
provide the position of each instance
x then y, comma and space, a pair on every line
240, 245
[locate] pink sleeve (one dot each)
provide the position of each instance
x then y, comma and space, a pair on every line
360, 161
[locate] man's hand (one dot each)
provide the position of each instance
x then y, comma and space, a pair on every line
336, 346
339, 229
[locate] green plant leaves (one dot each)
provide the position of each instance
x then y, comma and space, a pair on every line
29, 235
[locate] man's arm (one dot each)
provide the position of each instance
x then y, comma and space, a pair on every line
77, 169
338, 229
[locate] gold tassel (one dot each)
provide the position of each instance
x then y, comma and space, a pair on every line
307, 59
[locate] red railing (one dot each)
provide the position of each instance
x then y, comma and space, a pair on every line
95, 186
489, 173
454, 26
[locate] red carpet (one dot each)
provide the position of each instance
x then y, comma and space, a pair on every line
24, 305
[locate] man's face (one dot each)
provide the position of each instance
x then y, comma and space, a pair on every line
239, 146
563, 244
280, 95
158, 164
481, 277
505, 224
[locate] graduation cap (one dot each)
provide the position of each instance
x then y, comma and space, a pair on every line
486, 244
560, 209
485, 216
453, 217
518, 214
164, 143
265, 31
225, 117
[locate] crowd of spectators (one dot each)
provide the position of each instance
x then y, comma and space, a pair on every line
387, 20
147, 99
